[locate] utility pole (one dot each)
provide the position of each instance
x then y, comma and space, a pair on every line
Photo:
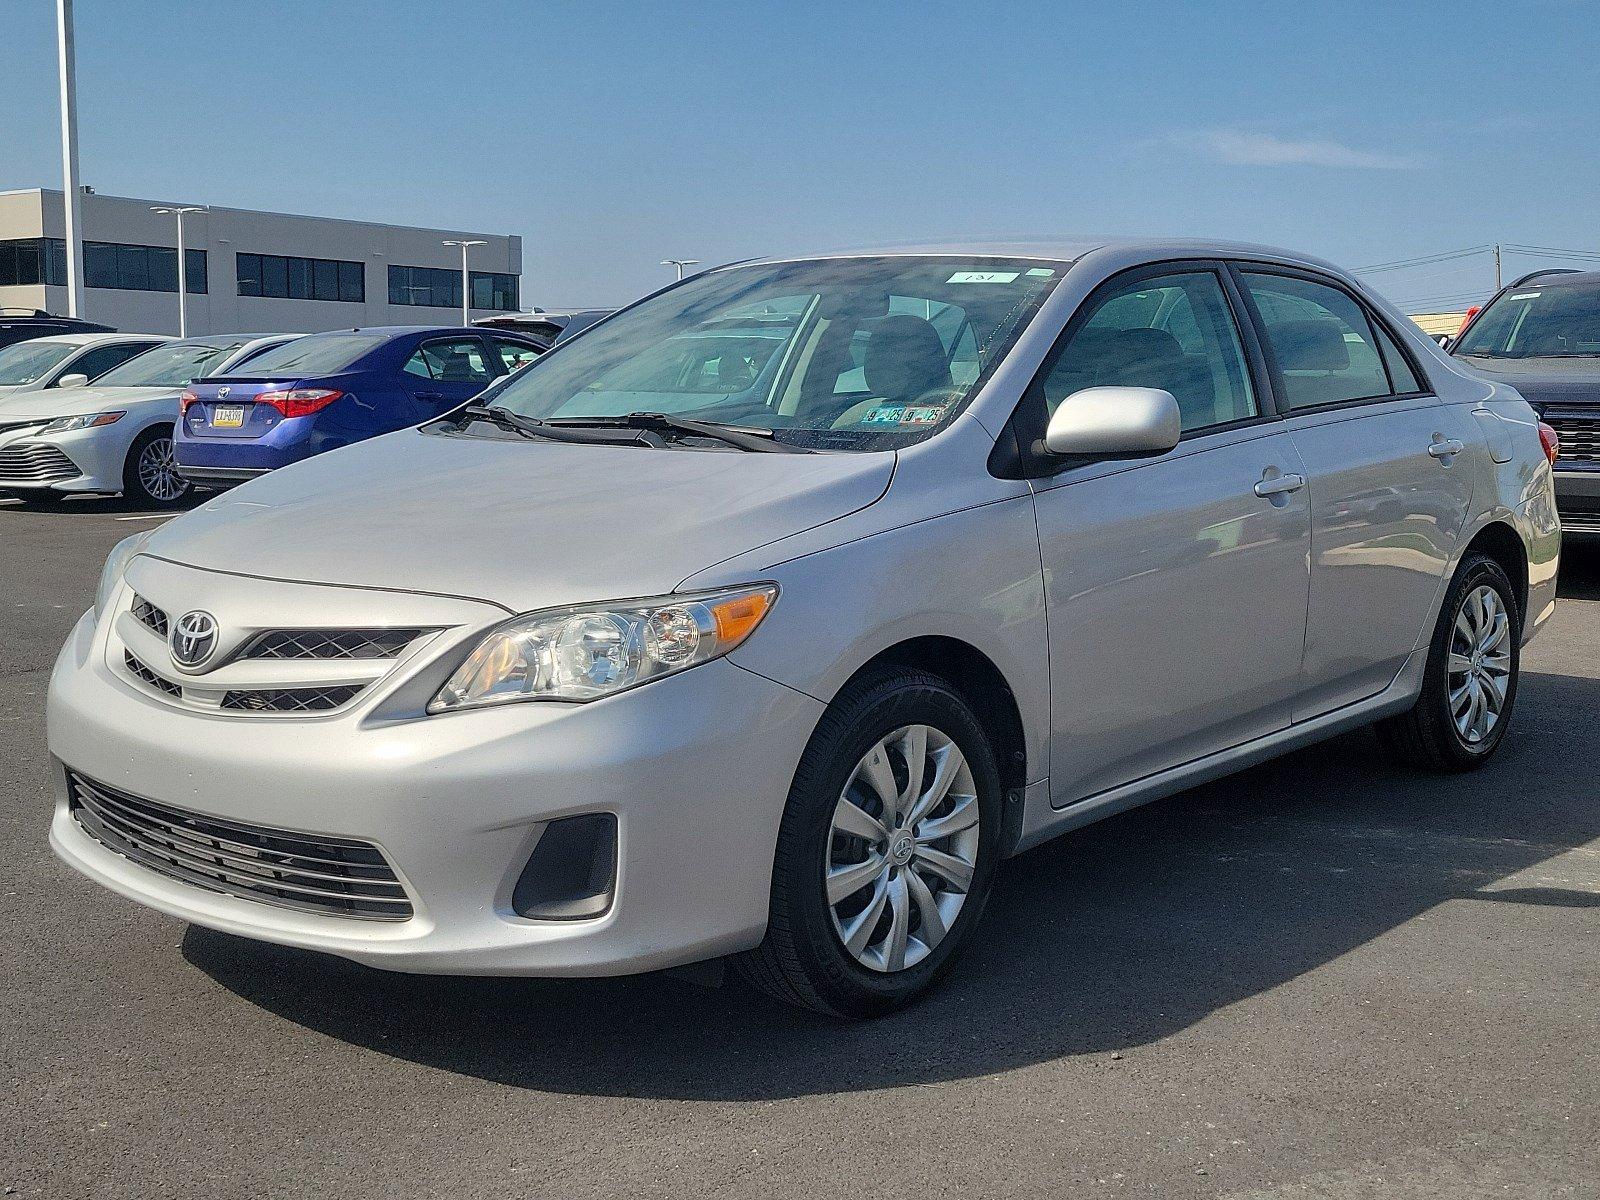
466, 279
680, 263
1497, 267
72, 194
183, 277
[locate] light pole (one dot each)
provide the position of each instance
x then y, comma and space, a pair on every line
72, 193
466, 279
680, 263
183, 275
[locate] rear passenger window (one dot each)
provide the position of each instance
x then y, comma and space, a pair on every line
515, 355
1401, 376
1173, 332
1325, 347
453, 361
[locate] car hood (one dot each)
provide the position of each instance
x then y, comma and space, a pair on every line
70, 402
1543, 380
522, 524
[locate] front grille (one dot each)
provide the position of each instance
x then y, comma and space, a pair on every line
148, 677
290, 700
36, 464
149, 616
1580, 437
335, 876
330, 643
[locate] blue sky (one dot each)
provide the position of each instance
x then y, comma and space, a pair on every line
612, 135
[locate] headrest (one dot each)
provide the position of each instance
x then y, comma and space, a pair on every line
1311, 346
905, 358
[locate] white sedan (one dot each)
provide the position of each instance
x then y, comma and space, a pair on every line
115, 436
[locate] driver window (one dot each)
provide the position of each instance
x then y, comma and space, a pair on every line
1173, 332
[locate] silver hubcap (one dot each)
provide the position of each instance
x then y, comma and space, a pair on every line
1480, 664
158, 471
903, 848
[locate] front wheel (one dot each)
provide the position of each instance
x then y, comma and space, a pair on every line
1470, 684
885, 851
150, 476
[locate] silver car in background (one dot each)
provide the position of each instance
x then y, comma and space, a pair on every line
767, 617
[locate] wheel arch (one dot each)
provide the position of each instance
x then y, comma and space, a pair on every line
1501, 542
973, 674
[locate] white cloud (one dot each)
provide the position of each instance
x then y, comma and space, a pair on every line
1244, 148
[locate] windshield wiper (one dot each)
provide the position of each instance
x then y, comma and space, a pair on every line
761, 441
530, 427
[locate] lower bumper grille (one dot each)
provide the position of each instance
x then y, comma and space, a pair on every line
332, 876
289, 700
36, 464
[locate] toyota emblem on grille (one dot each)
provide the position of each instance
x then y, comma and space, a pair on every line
194, 637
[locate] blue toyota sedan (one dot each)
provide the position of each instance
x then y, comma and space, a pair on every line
328, 390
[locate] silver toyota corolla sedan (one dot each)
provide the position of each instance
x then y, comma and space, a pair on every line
767, 616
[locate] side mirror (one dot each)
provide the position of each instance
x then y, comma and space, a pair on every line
1444, 340
73, 380
1115, 422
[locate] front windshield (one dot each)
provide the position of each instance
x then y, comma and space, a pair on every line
171, 365
28, 361
1554, 321
839, 353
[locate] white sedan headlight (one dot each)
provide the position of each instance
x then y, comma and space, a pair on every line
585, 652
116, 564
82, 421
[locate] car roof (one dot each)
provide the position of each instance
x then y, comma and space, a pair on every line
1067, 249
98, 339
1555, 277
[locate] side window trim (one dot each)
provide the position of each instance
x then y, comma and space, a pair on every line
1236, 267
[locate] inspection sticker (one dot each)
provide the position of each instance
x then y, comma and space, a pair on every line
904, 414
983, 277
1041, 272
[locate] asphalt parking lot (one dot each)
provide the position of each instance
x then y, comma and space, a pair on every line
1326, 977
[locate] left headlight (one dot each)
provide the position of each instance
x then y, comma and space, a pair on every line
116, 564
82, 421
585, 652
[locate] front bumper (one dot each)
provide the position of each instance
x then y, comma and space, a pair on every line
695, 767
1578, 498
83, 460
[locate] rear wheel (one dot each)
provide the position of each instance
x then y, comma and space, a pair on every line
151, 473
1470, 685
885, 852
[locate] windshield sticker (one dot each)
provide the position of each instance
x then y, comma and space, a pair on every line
1041, 272
983, 277
904, 414
1525, 296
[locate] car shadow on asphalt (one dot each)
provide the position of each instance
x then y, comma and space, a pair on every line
1114, 936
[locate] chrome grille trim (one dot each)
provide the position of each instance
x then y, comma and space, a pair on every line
36, 464
346, 878
1580, 437
290, 700
148, 615
148, 677
331, 643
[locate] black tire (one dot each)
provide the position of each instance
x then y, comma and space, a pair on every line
803, 961
1426, 735
133, 481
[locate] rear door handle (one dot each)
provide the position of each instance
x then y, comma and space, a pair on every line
1280, 484
1446, 448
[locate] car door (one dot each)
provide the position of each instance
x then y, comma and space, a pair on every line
444, 372
1388, 476
1176, 585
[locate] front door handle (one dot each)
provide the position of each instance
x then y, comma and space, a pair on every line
1446, 447
1279, 485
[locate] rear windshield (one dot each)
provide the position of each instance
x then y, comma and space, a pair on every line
172, 365
319, 354
1555, 321
28, 361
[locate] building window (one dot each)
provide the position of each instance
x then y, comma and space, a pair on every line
105, 265
278, 276
440, 287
